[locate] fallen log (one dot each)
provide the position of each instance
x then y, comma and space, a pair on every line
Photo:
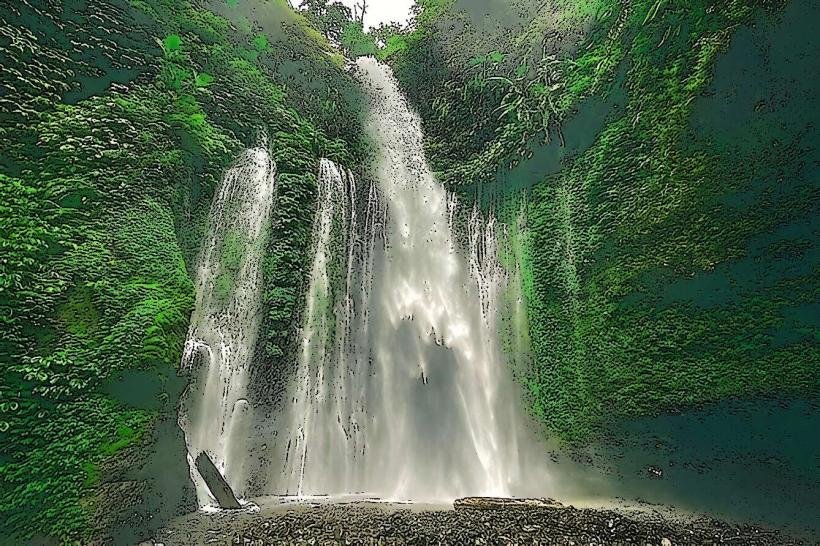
504, 503
219, 488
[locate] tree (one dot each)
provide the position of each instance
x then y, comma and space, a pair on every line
385, 31
359, 12
329, 18
356, 42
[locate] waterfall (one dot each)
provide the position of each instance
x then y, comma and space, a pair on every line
401, 390
331, 335
216, 415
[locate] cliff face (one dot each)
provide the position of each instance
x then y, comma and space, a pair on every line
119, 119
665, 160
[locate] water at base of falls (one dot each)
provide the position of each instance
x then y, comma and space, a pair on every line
216, 415
401, 390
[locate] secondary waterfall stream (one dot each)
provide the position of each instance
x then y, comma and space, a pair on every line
401, 390
217, 417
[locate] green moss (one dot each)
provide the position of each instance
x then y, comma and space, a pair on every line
78, 313
171, 43
233, 250
104, 203
652, 282
224, 285
260, 42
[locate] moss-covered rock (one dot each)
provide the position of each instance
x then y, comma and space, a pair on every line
669, 248
119, 120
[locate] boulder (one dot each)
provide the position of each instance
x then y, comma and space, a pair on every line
219, 488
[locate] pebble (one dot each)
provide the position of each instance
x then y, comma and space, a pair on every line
390, 525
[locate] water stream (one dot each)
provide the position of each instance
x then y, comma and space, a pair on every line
401, 391
216, 415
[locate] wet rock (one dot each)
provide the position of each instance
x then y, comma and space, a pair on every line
655, 472
495, 503
219, 488
513, 524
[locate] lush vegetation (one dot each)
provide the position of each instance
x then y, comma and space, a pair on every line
118, 120
669, 256
661, 223
341, 26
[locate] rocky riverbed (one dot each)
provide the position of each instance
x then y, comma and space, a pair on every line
474, 522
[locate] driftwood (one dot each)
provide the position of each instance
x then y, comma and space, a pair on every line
219, 488
498, 503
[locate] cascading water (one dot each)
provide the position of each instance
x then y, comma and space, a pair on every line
216, 415
401, 390
332, 333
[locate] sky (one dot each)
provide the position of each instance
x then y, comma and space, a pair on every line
383, 11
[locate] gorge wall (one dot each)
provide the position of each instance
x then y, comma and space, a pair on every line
113, 143
661, 159
655, 165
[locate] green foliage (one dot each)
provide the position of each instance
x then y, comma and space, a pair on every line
648, 290
171, 43
233, 249
390, 39
260, 42
356, 42
496, 94
106, 179
393, 46
203, 80
287, 263
329, 18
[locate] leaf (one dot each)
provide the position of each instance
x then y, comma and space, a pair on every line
260, 42
204, 80
654, 10
172, 42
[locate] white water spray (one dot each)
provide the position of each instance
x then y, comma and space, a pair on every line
401, 390
216, 415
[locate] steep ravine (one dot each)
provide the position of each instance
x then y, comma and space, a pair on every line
594, 279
